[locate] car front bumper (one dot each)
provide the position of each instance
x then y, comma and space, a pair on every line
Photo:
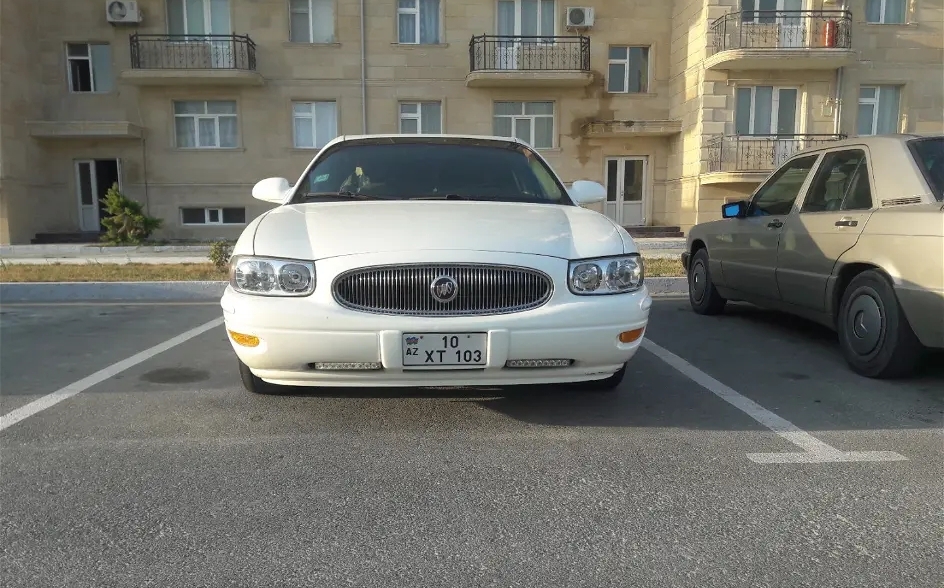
296, 333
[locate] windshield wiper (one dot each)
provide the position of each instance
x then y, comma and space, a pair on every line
440, 197
340, 194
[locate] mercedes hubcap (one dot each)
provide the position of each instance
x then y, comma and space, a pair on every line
864, 322
698, 281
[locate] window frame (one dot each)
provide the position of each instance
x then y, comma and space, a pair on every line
774, 110
206, 216
883, 11
547, 38
314, 122
310, 12
824, 167
779, 173
196, 125
531, 117
91, 65
625, 63
418, 116
876, 106
416, 13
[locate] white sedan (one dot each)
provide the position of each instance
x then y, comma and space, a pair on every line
433, 260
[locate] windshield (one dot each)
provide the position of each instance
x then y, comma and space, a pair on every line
929, 155
430, 168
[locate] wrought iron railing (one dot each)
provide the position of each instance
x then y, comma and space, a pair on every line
782, 29
519, 53
758, 153
192, 52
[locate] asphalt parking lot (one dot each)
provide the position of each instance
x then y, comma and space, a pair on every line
739, 451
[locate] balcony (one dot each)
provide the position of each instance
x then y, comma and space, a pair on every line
192, 60
751, 158
502, 61
781, 39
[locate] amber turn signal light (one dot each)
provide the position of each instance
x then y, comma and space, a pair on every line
630, 336
243, 339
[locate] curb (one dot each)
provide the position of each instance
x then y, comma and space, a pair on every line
12, 292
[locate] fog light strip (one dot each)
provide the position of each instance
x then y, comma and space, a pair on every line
354, 365
538, 363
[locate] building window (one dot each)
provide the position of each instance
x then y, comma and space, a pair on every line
885, 11
90, 67
765, 110
206, 124
532, 122
879, 110
628, 70
198, 17
213, 216
420, 118
311, 21
315, 123
418, 21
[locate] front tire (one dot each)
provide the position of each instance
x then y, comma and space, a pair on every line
702, 294
254, 383
874, 334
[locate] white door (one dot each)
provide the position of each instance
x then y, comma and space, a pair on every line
766, 122
93, 178
791, 25
200, 18
626, 190
524, 21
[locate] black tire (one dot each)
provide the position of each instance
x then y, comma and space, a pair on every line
702, 294
607, 384
874, 334
254, 383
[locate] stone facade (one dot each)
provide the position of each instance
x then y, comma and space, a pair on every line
689, 101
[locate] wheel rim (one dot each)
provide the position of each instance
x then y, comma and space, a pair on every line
698, 281
865, 323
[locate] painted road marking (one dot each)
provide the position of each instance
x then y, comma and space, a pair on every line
814, 450
40, 404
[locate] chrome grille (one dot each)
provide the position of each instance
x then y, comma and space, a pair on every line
405, 289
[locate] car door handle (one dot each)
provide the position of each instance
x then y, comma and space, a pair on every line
774, 224
847, 222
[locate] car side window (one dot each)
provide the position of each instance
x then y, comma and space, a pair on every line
842, 183
777, 196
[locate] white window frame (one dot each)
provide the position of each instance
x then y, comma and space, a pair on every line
91, 65
415, 13
533, 118
774, 109
216, 122
206, 216
314, 126
418, 115
310, 12
625, 64
874, 102
518, 20
883, 5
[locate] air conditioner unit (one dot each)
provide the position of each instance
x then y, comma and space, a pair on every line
122, 12
580, 17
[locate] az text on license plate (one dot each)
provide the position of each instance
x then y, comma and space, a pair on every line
444, 349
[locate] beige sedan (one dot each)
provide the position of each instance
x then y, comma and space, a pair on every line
850, 235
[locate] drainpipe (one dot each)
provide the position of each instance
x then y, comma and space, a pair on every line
363, 70
837, 112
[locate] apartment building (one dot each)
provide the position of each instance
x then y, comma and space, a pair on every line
675, 105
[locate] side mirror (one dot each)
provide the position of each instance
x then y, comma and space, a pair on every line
734, 209
587, 192
271, 190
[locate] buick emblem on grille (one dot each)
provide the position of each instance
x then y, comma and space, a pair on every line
444, 289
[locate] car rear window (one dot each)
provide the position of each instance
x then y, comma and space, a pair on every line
429, 168
929, 155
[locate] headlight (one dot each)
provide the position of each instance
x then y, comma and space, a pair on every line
265, 276
609, 275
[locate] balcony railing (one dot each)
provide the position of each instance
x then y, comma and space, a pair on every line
518, 53
758, 153
782, 29
193, 52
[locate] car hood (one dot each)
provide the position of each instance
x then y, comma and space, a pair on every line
331, 229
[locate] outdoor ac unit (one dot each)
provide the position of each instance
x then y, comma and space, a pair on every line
122, 11
579, 17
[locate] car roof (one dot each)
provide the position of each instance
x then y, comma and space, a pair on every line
424, 136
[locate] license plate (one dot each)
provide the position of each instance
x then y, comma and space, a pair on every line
444, 349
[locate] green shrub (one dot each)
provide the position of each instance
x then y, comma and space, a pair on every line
220, 252
126, 222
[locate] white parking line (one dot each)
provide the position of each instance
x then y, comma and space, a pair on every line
814, 450
40, 404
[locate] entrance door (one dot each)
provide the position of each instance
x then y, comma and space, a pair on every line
200, 18
527, 21
93, 179
626, 181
